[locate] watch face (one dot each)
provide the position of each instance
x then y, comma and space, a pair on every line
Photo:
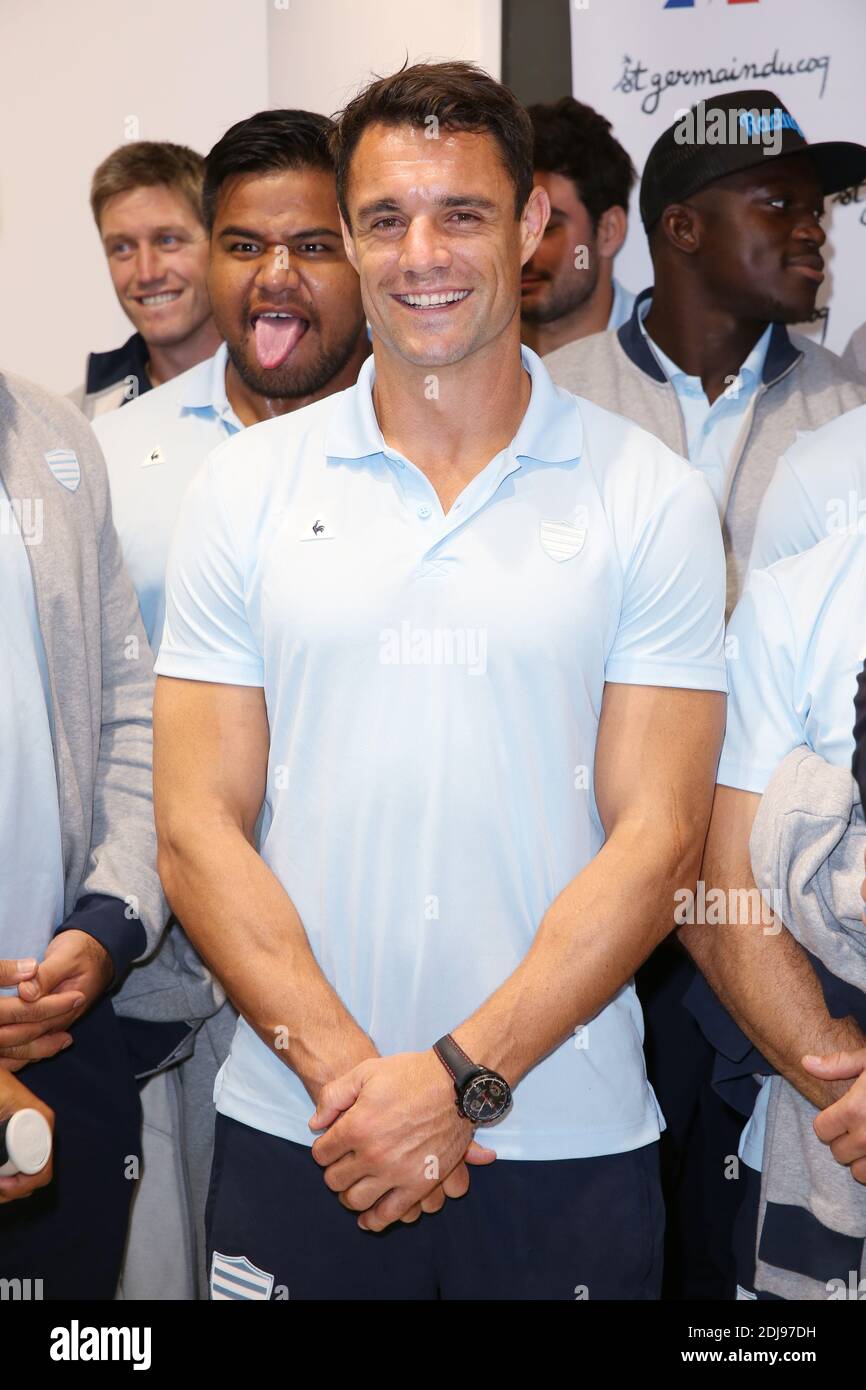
485, 1098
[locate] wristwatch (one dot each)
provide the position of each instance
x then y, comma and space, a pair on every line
482, 1095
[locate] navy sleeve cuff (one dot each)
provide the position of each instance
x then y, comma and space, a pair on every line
105, 919
736, 1061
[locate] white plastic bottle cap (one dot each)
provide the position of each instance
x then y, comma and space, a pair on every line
28, 1141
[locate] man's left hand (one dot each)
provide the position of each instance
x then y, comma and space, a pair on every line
393, 1133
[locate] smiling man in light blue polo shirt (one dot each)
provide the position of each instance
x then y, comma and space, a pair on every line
461, 633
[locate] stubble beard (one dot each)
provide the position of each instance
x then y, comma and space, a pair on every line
563, 298
290, 382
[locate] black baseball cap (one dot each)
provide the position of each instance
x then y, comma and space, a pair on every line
683, 159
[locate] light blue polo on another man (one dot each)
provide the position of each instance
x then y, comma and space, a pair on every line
817, 490
433, 686
622, 306
153, 448
800, 634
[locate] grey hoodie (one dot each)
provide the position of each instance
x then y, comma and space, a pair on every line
807, 845
100, 670
803, 386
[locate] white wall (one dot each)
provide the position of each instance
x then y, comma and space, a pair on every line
321, 51
72, 73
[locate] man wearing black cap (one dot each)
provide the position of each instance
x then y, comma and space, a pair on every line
731, 199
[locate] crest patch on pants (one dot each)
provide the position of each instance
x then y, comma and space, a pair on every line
233, 1276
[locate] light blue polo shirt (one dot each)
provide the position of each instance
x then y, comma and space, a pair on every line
621, 309
797, 641
153, 447
31, 859
818, 489
433, 686
713, 431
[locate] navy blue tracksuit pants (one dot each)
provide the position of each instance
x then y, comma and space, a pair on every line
71, 1234
702, 1132
564, 1230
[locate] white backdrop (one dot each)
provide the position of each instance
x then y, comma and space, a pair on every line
638, 62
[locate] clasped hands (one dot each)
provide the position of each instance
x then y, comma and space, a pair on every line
52, 994
395, 1144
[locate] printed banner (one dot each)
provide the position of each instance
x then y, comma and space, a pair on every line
641, 62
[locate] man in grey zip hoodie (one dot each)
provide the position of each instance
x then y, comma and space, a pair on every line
80, 899
705, 362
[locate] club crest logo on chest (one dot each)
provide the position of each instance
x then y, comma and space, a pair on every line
561, 540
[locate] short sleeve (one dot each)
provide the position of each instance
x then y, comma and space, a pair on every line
207, 636
763, 725
672, 618
787, 523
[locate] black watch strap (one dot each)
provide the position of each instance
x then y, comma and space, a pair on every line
455, 1061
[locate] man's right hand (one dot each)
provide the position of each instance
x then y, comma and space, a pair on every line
358, 1049
13, 1097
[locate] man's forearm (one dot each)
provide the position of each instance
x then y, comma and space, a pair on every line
591, 940
243, 922
767, 984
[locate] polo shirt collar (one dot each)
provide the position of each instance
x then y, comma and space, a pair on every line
750, 373
205, 387
635, 344
753, 367
352, 430
780, 357
551, 430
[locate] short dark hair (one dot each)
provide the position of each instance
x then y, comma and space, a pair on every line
267, 142
461, 96
574, 140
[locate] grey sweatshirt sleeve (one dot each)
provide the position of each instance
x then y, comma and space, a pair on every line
122, 862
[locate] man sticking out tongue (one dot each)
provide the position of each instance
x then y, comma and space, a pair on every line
287, 304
